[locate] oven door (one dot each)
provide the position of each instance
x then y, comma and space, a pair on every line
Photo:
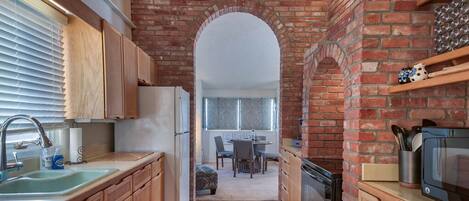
446, 168
314, 186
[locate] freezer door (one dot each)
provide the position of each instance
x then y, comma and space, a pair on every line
183, 165
182, 110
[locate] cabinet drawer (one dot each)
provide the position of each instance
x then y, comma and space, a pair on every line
364, 196
157, 166
120, 191
157, 187
284, 179
141, 177
143, 194
99, 196
129, 198
284, 193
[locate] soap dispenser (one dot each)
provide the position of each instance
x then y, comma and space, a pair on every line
58, 160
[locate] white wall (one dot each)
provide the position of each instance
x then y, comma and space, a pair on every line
106, 12
208, 142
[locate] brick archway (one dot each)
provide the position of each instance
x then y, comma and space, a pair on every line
320, 56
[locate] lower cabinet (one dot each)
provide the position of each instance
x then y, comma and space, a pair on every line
290, 176
145, 184
143, 194
157, 190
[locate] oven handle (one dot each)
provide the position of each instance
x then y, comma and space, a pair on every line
315, 177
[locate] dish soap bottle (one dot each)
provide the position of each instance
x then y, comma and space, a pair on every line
58, 160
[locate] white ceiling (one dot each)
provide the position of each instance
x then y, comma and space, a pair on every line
238, 51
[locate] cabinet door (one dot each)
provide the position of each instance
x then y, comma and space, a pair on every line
364, 196
144, 75
113, 73
84, 70
99, 196
157, 187
143, 194
120, 191
294, 178
130, 78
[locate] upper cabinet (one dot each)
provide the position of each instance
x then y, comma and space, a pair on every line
144, 68
113, 65
130, 78
84, 71
101, 72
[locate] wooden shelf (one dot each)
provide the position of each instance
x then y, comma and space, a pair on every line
423, 2
440, 80
436, 81
445, 56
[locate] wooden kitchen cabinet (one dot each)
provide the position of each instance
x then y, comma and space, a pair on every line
157, 189
84, 70
143, 194
144, 68
99, 196
113, 73
120, 191
290, 176
141, 177
101, 72
130, 78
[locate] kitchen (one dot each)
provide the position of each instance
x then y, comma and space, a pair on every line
342, 62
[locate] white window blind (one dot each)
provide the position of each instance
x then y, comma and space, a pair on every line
31, 65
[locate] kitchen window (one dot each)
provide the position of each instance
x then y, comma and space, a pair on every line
31, 66
240, 114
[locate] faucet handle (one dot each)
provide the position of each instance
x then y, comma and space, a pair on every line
18, 164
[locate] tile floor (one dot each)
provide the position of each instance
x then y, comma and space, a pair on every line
242, 188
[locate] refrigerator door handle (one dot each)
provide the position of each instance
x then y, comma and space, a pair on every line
186, 132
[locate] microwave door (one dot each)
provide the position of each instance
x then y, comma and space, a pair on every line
446, 167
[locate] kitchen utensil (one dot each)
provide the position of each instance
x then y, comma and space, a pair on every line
428, 123
417, 142
399, 132
415, 130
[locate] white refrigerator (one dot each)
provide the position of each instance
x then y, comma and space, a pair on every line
163, 125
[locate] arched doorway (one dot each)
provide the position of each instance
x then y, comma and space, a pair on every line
237, 61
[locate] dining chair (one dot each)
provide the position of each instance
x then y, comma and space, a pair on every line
243, 151
263, 154
221, 152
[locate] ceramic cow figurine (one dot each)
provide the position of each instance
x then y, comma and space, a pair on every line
418, 73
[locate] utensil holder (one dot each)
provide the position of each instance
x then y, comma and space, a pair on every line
409, 169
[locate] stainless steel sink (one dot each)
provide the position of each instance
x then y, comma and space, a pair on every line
51, 183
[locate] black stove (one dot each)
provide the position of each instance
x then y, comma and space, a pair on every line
321, 179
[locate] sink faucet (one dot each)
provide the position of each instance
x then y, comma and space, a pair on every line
44, 142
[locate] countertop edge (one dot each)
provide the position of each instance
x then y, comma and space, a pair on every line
294, 150
114, 178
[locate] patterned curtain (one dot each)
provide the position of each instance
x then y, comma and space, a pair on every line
221, 113
257, 113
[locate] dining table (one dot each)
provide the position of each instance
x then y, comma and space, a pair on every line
243, 165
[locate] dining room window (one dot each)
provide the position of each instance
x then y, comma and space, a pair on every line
240, 113
31, 66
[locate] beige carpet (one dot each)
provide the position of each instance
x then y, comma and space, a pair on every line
243, 188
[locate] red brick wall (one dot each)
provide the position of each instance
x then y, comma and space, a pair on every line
168, 30
323, 123
391, 34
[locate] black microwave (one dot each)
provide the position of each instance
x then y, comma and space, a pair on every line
445, 163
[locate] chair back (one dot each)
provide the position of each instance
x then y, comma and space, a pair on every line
243, 149
219, 144
259, 147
